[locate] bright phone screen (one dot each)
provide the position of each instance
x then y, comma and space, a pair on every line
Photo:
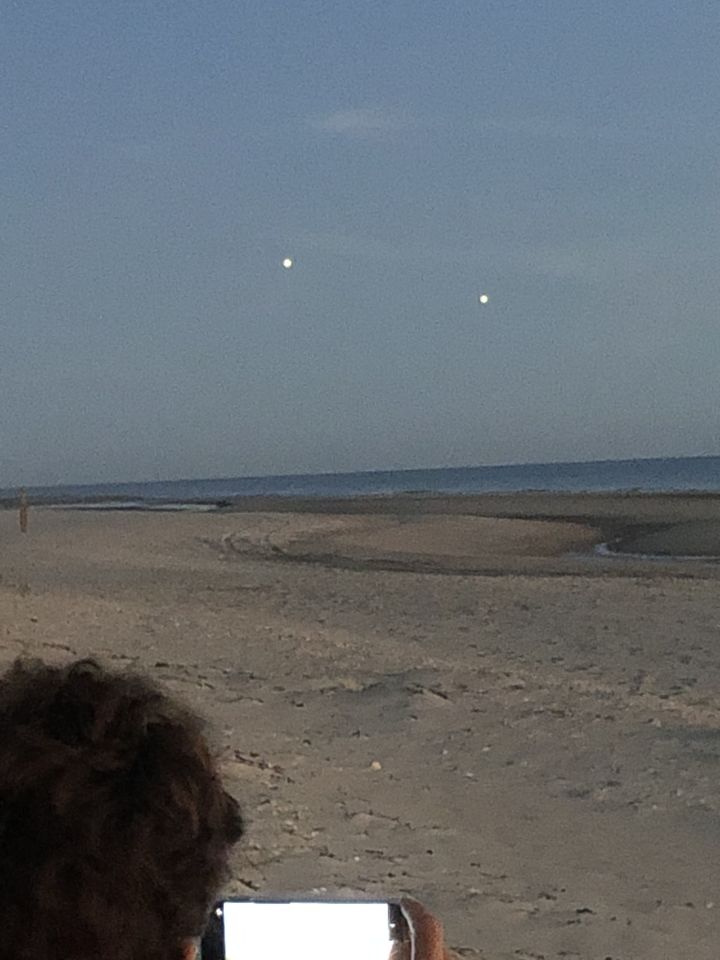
306, 931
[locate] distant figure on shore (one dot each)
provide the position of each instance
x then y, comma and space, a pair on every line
23, 511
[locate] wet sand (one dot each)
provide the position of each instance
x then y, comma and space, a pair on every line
548, 737
500, 534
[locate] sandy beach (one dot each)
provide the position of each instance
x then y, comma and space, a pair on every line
451, 697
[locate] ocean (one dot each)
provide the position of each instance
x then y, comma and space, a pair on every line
651, 475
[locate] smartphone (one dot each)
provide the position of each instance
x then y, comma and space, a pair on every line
256, 929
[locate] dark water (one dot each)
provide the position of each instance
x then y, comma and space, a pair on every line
678, 474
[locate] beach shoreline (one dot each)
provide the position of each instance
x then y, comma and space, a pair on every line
582, 532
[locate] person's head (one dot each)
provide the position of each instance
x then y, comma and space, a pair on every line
115, 830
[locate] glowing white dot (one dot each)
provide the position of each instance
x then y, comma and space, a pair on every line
287, 263
484, 298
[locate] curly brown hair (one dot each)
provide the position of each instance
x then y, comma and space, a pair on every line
115, 831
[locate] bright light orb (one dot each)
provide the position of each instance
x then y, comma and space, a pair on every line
484, 298
288, 263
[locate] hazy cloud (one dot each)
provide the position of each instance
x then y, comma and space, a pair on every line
362, 122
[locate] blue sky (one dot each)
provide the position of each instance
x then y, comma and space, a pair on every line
161, 158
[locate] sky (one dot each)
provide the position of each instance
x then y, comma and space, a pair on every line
160, 158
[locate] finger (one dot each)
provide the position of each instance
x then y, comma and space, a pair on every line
426, 931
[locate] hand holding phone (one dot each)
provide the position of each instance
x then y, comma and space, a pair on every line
252, 929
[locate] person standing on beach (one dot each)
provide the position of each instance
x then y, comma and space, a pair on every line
23, 511
115, 828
